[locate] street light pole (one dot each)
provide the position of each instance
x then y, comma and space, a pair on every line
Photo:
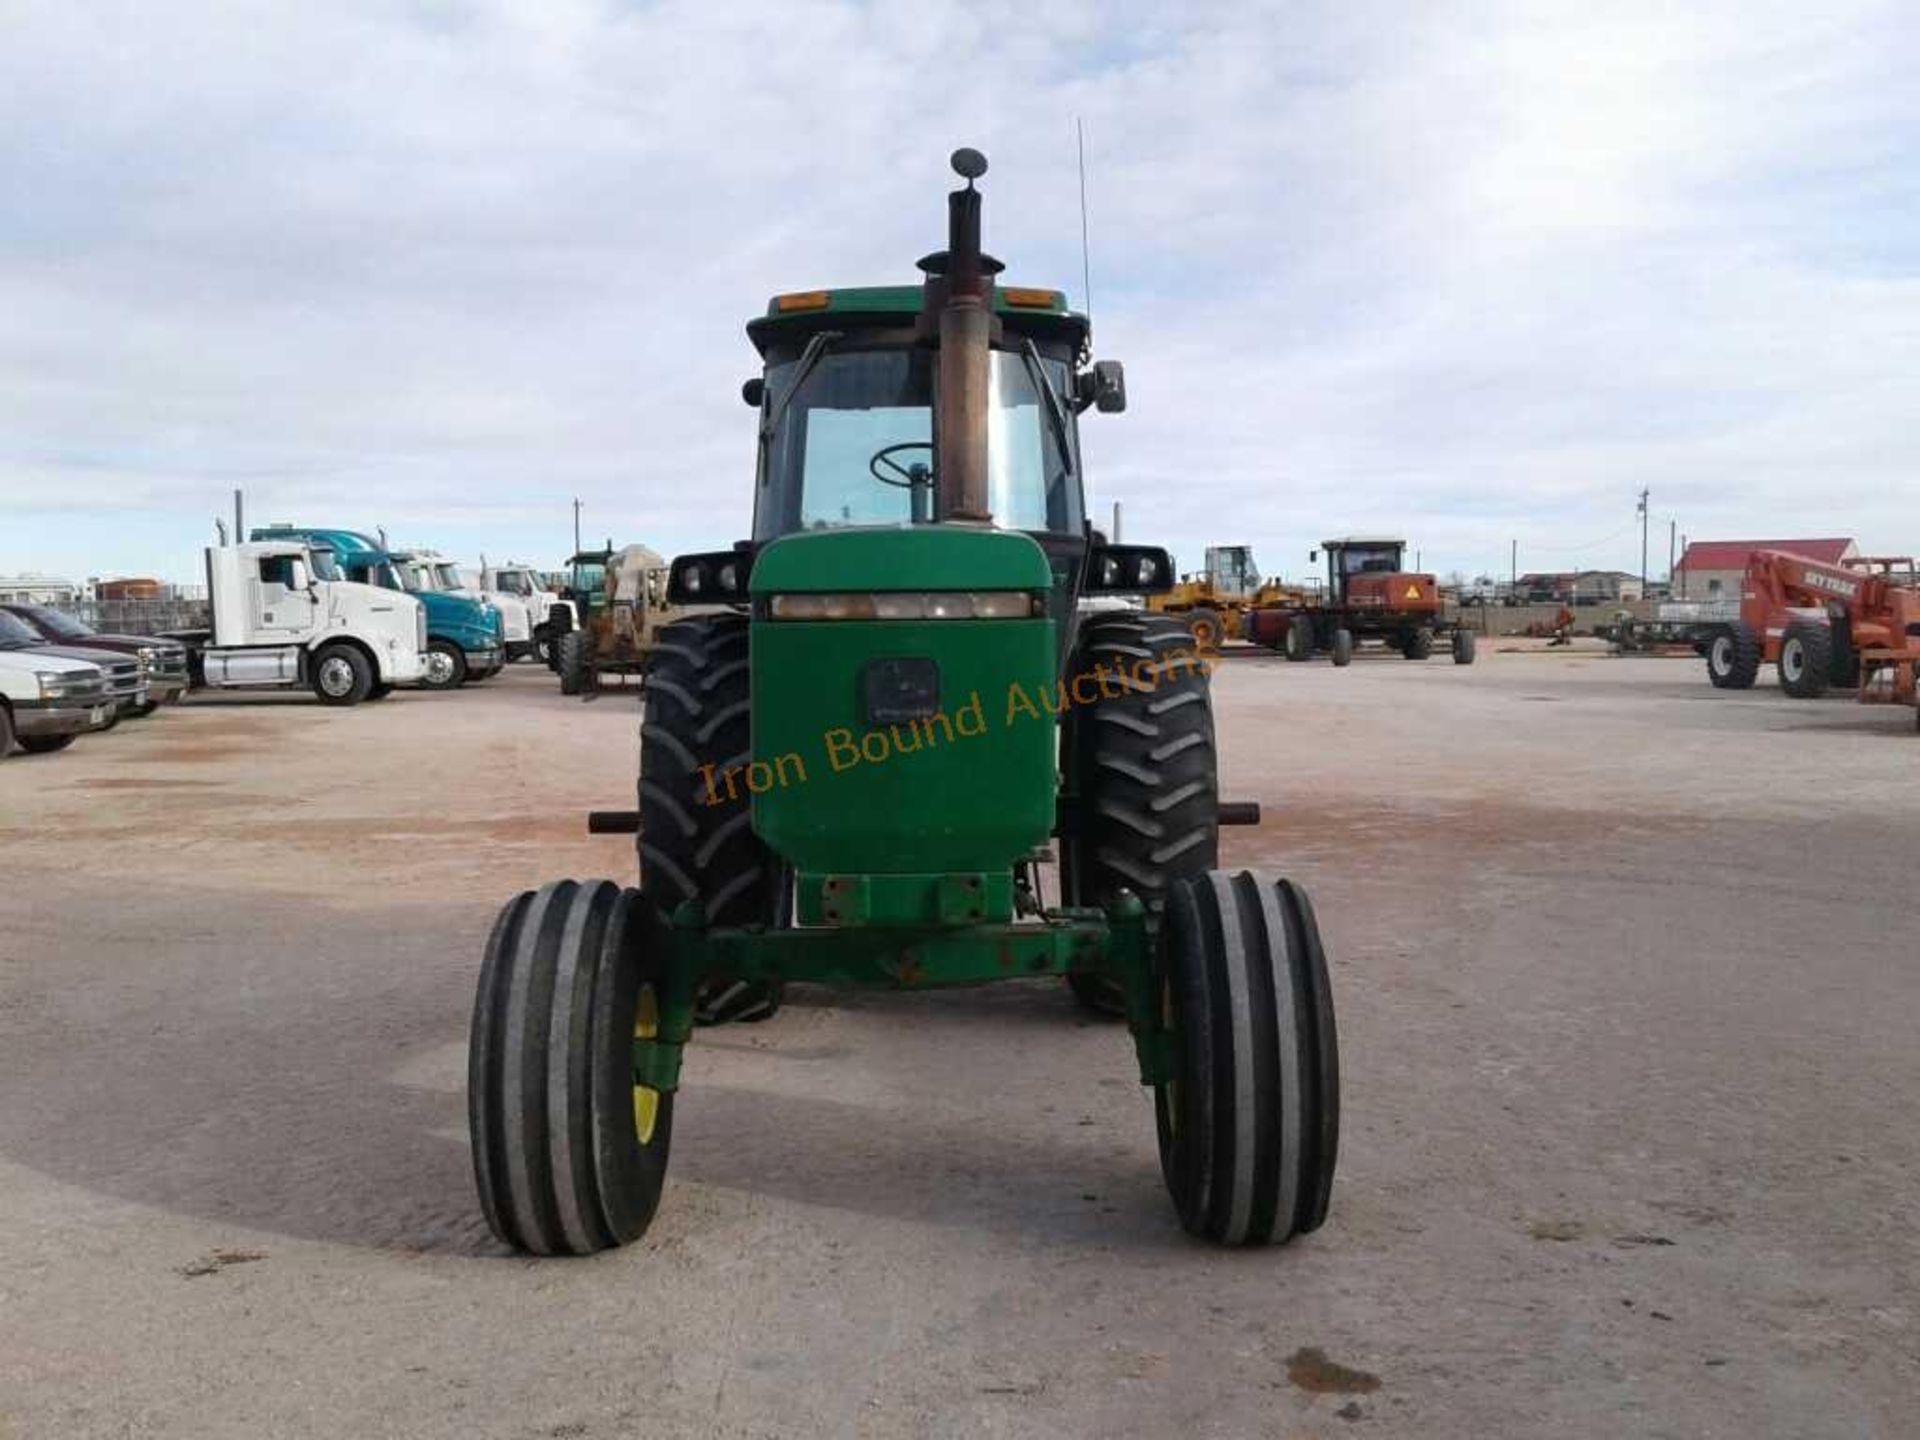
576, 527
1643, 543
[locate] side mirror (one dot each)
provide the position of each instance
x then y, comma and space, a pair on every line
1128, 570
754, 392
297, 576
1104, 387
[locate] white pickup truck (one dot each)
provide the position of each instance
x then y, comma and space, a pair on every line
283, 619
46, 700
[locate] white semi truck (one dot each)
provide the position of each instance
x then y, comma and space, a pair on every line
551, 615
283, 619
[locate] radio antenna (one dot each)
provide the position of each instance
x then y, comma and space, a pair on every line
1086, 261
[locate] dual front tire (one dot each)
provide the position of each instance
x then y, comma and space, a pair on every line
570, 1147
1249, 1125
569, 1150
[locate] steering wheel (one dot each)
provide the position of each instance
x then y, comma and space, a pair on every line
902, 477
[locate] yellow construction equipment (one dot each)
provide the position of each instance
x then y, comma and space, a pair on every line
1214, 601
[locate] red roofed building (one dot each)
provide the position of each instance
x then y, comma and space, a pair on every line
1711, 569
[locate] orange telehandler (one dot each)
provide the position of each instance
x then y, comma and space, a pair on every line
1820, 625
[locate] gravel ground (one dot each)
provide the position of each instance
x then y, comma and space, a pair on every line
1628, 1029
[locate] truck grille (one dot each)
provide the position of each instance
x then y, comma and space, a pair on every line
123, 680
89, 691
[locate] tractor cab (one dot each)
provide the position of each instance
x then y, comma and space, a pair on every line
1370, 575
849, 404
1231, 571
587, 578
1354, 562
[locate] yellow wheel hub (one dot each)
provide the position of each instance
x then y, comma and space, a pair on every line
646, 1099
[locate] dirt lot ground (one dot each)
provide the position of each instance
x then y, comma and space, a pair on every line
1628, 1004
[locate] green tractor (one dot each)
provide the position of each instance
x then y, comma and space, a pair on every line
852, 769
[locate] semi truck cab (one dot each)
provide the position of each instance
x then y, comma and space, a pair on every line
517, 616
464, 638
551, 616
284, 617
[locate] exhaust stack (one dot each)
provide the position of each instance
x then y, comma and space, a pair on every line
959, 302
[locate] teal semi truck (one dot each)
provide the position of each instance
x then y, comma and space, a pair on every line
465, 639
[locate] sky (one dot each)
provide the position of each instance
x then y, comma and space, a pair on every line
1474, 273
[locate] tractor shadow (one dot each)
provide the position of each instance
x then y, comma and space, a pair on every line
300, 1070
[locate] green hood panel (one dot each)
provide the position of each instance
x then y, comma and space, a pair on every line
900, 557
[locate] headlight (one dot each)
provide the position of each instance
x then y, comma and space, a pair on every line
59, 684
146, 659
909, 605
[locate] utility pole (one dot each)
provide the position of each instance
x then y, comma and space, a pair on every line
1673, 529
1643, 542
576, 527
1513, 570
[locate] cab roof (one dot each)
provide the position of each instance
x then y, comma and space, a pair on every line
1043, 313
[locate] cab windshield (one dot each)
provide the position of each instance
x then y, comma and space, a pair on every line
373, 572
1369, 560
449, 576
512, 582
324, 565
818, 468
16, 634
59, 626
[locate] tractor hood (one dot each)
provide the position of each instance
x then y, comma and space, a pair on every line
900, 558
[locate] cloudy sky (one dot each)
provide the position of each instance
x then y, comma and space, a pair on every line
1472, 272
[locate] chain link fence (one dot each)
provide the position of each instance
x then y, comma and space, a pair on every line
140, 617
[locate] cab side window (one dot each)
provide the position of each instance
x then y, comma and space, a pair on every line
277, 570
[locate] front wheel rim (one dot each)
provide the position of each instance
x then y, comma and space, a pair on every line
1792, 662
646, 1099
439, 668
1722, 657
336, 676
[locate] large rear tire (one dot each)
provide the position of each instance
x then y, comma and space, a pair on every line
696, 839
569, 1155
1144, 773
1249, 1127
1806, 660
1733, 657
